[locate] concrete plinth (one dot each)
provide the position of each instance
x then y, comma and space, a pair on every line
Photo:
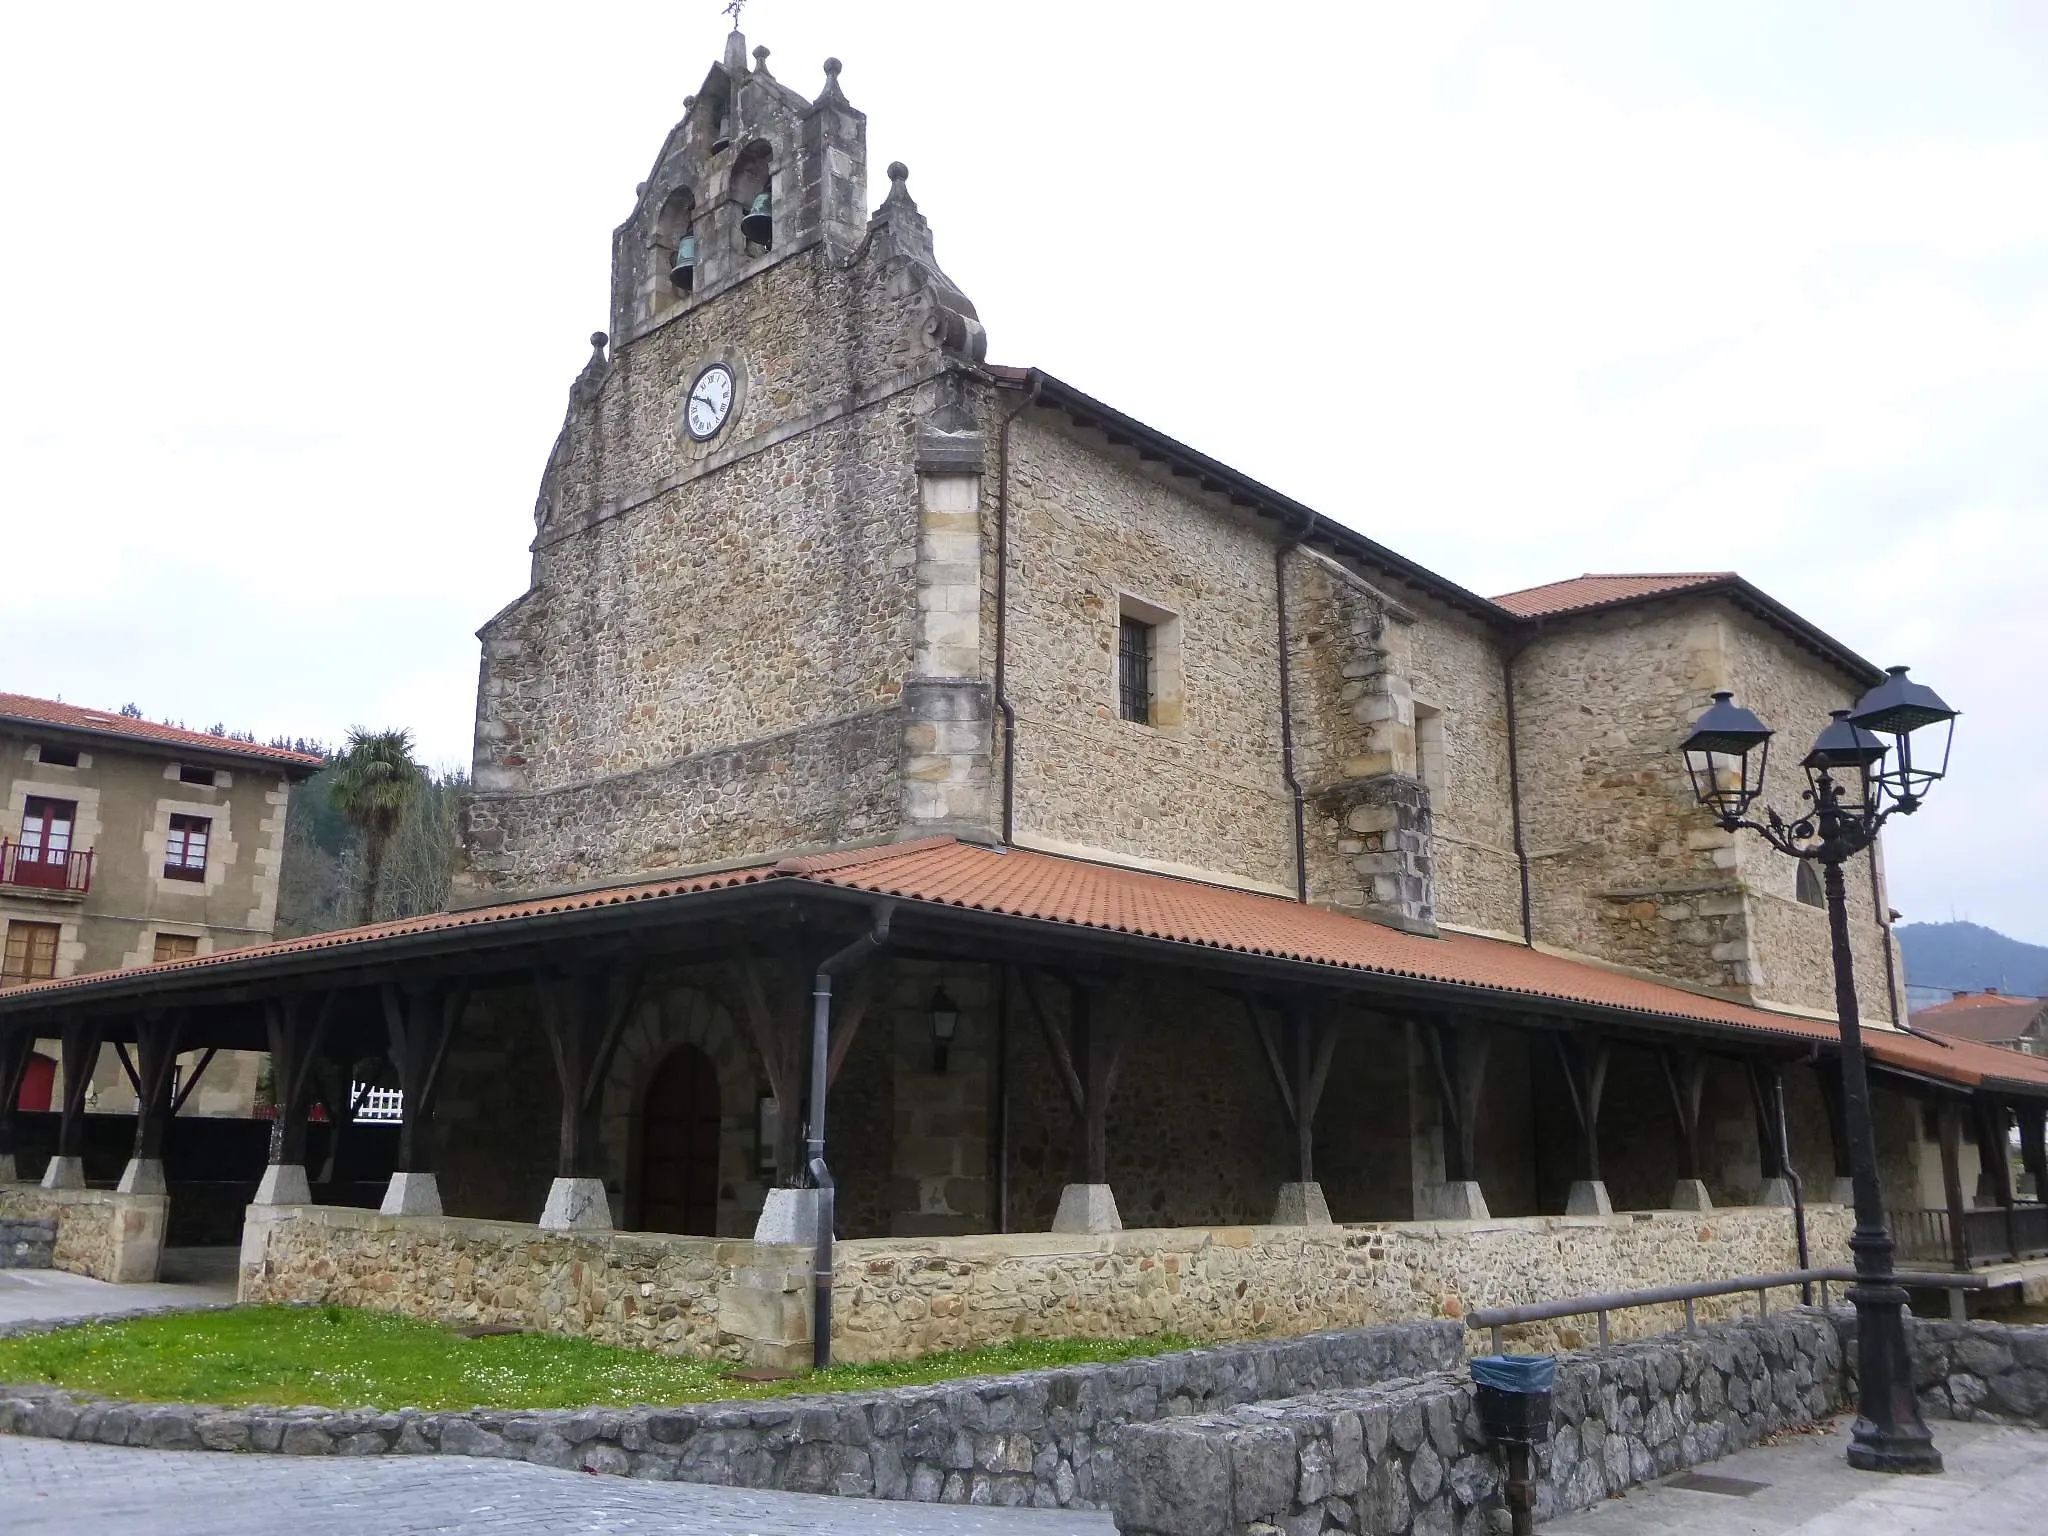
65, 1173
283, 1184
1844, 1192
1461, 1200
411, 1194
576, 1205
789, 1216
1775, 1192
1691, 1195
1087, 1208
142, 1176
1301, 1205
1588, 1198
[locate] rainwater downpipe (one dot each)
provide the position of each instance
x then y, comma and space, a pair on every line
814, 1146
1003, 704
1285, 548
1792, 1178
1507, 673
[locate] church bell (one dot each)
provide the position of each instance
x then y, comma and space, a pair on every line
683, 270
759, 226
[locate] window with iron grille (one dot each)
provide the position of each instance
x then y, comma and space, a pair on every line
1134, 670
185, 848
30, 953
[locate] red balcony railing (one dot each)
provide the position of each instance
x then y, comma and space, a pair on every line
68, 873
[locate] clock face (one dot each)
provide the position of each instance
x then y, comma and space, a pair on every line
710, 402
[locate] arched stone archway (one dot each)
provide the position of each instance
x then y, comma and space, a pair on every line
679, 1145
683, 1016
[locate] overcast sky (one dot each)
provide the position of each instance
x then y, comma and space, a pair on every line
291, 297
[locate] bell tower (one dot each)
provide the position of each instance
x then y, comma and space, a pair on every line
751, 173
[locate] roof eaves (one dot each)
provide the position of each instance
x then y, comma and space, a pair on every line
1215, 476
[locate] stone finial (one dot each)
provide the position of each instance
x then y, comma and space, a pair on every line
831, 96
598, 339
899, 186
761, 62
688, 103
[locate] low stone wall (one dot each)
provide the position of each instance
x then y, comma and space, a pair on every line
1411, 1457
895, 1297
27, 1242
1045, 1438
100, 1233
712, 1297
1988, 1372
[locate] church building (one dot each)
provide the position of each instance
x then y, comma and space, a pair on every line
920, 806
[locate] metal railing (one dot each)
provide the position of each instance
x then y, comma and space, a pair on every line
385, 1105
1599, 1306
33, 869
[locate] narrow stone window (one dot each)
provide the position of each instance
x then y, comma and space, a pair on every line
1134, 670
1429, 746
1806, 885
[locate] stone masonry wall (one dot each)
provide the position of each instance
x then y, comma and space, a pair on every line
707, 1297
1412, 1456
895, 1298
1200, 788
100, 1233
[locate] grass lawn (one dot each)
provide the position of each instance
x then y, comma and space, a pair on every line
344, 1358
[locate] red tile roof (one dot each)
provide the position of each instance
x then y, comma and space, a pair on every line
2009, 1020
22, 709
1043, 887
1989, 998
1594, 591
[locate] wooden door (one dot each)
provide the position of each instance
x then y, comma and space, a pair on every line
45, 854
679, 1146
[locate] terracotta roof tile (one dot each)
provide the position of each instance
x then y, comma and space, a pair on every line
32, 711
1595, 591
1964, 1001
1048, 888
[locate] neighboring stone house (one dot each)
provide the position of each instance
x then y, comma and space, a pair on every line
126, 842
1093, 836
1992, 1017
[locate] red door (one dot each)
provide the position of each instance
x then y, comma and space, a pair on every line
679, 1146
45, 851
37, 1082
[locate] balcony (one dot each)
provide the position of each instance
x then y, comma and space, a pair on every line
33, 871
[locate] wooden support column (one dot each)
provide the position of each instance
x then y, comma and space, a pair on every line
583, 1014
81, 1053
420, 1019
1584, 1060
1949, 1118
156, 1058
17, 1049
1685, 1078
1830, 1075
1298, 1054
1458, 1057
1086, 1057
297, 1026
778, 1036
2034, 1146
1770, 1153
1994, 1160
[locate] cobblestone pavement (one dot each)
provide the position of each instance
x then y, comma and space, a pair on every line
49, 1487
1996, 1484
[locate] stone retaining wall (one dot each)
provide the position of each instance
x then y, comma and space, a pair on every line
1410, 1456
718, 1298
27, 1242
895, 1297
100, 1233
1988, 1372
1045, 1438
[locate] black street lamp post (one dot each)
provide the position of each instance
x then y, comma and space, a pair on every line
1861, 770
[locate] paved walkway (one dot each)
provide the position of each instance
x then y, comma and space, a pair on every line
193, 1277
56, 1488
1996, 1484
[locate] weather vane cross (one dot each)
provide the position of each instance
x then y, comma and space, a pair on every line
733, 9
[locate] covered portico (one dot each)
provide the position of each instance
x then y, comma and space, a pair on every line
1010, 1042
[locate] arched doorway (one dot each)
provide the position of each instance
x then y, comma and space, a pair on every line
679, 1146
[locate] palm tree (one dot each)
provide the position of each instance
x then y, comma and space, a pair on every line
375, 779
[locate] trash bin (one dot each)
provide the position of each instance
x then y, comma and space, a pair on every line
1513, 1396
